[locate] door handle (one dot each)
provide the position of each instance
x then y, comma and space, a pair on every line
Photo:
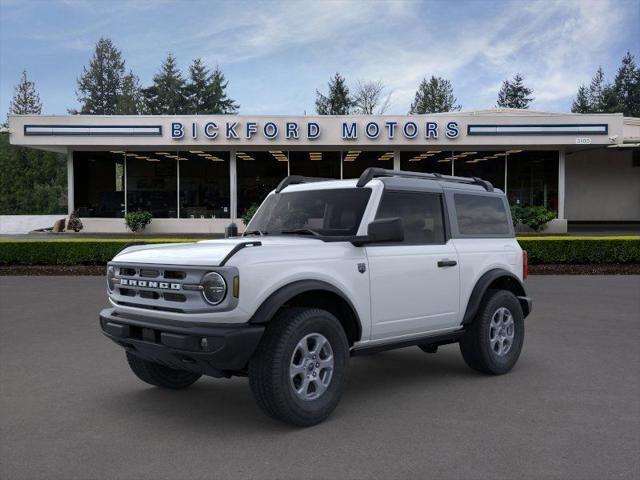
447, 263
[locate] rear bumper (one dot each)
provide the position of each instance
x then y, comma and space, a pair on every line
214, 350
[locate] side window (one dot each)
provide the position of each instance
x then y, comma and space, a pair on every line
481, 215
421, 215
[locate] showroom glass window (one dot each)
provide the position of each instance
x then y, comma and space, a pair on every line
315, 164
427, 161
152, 183
354, 162
258, 173
532, 179
204, 184
488, 165
99, 184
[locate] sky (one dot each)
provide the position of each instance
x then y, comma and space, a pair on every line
276, 54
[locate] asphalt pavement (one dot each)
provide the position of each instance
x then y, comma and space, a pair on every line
71, 409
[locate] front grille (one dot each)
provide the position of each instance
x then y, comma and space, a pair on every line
148, 294
146, 273
174, 297
174, 275
157, 287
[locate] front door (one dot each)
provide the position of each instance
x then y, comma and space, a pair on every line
415, 283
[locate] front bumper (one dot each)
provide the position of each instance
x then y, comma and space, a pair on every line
214, 350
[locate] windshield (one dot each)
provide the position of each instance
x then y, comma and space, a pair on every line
333, 212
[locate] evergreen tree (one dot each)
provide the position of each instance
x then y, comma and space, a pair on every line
218, 100
100, 85
434, 95
206, 91
338, 101
581, 104
31, 181
627, 86
167, 95
25, 99
196, 89
596, 91
514, 94
130, 101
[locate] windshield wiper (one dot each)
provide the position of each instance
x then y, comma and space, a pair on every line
301, 231
260, 233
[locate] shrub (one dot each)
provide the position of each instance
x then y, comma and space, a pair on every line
72, 251
534, 217
567, 250
137, 220
517, 214
582, 250
74, 223
249, 213
537, 217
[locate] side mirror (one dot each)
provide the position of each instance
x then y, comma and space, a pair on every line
382, 231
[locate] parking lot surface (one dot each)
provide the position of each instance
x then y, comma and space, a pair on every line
71, 409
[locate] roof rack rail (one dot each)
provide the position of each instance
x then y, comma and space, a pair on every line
374, 172
298, 179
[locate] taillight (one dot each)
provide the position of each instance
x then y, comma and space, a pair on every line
525, 265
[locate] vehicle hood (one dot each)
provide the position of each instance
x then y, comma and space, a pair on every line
204, 253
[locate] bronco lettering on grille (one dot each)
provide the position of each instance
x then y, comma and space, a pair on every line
129, 282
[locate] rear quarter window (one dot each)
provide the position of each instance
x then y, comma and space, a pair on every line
481, 215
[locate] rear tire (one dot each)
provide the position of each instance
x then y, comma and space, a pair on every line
159, 375
493, 341
299, 370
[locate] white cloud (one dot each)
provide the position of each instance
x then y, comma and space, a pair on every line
556, 45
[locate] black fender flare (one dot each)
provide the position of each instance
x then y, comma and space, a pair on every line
482, 285
280, 297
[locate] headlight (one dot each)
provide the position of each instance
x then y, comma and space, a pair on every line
111, 275
214, 288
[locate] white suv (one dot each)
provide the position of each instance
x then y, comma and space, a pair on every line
326, 270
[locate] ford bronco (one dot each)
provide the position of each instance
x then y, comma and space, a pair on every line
326, 270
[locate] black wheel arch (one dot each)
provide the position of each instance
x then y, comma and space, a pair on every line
314, 294
496, 278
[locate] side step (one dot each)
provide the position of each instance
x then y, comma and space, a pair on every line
434, 340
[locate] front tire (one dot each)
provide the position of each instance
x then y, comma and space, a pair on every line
159, 375
493, 342
299, 370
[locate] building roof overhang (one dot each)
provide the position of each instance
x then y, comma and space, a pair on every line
480, 128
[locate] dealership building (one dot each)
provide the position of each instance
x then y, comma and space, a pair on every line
197, 173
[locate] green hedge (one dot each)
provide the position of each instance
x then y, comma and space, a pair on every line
581, 250
569, 250
66, 252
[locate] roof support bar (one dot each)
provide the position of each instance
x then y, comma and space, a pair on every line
373, 172
297, 179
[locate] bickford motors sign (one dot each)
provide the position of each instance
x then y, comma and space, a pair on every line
294, 130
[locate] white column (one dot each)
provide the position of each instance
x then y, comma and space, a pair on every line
506, 165
396, 159
70, 181
233, 186
125, 186
561, 177
177, 188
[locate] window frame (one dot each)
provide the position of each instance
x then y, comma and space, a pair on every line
453, 214
414, 191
